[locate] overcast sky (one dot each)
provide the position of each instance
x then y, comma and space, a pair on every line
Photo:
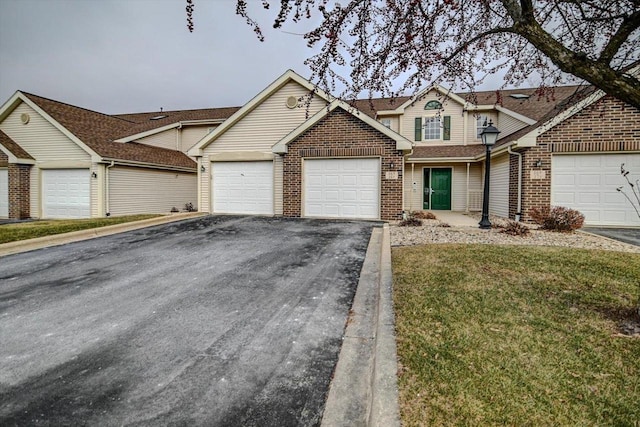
121, 56
118, 56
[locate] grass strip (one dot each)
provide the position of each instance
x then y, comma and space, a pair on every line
499, 335
28, 230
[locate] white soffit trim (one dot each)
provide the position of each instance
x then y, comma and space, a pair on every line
288, 76
401, 142
12, 104
441, 160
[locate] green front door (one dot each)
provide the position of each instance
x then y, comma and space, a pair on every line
437, 189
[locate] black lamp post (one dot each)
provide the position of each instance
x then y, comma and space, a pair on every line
489, 137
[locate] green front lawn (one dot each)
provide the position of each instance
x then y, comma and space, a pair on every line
499, 335
29, 230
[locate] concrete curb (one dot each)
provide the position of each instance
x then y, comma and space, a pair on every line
76, 236
364, 389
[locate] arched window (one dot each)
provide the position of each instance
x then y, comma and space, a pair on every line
433, 105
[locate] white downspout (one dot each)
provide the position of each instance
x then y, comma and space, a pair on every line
108, 213
518, 212
199, 186
468, 168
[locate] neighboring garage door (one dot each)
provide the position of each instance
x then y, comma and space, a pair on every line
588, 182
65, 193
499, 187
4, 193
242, 187
342, 188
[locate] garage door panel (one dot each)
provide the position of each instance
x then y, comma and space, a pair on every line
66, 193
4, 193
342, 188
242, 187
588, 183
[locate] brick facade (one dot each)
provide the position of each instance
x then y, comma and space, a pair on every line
607, 125
19, 191
341, 135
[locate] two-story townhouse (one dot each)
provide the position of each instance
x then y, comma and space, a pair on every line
294, 150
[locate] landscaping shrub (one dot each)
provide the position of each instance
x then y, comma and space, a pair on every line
514, 228
410, 222
557, 218
423, 215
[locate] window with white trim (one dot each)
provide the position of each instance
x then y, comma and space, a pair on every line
482, 122
386, 122
432, 128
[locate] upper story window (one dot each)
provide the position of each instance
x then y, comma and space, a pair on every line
433, 128
433, 105
386, 122
482, 122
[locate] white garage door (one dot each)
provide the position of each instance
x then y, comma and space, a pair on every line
4, 193
342, 188
588, 182
499, 186
65, 193
243, 187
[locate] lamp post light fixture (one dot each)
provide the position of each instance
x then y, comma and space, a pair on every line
489, 137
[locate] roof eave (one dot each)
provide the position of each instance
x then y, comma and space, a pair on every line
285, 78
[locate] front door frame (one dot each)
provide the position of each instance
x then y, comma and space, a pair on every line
426, 183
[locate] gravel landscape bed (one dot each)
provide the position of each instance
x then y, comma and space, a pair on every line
433, 231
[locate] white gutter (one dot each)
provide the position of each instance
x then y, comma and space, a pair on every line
107, 187
518, 216
149, 165
468, 168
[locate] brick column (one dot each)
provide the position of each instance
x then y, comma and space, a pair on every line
19, 191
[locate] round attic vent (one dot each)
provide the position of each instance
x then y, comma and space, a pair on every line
24, 118
292, 102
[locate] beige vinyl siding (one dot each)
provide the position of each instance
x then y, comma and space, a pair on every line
499, 186
192, 134
39, 138
459, 187
205, 185
451, 108
508, 125
472, 125
139, 190
278, 189
412, 188
413, 195
96, 206
476, 183
267, 124
166, 139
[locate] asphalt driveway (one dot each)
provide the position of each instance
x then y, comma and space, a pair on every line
626, 235
219, 321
